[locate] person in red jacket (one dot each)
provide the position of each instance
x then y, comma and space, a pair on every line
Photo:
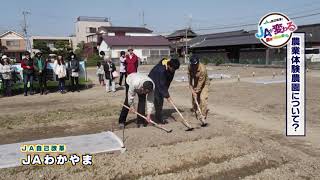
27, 65
131, 62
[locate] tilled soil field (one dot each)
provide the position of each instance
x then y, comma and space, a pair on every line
245, 138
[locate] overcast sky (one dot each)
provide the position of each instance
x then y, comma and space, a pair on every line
57, 17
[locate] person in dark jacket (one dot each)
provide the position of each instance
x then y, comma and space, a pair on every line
162, 75
40, 67
27, 65
74, 70
109, 68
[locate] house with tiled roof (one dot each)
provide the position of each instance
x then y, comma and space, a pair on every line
148, 47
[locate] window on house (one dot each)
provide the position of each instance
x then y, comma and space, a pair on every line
154, 52
146, 52
91, 30
13, 43
164, 52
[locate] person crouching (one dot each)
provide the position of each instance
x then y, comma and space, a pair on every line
143, 86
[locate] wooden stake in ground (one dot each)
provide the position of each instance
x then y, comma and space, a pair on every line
202, 119
184, 122
152, 122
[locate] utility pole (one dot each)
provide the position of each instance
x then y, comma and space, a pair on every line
25, 31
186, 39
143, 23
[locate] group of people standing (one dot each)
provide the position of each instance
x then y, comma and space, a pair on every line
128, 63
153, 88
36, 67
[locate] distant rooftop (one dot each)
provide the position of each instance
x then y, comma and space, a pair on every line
242, 37
136, 41
124, 29
93, 19
182, 33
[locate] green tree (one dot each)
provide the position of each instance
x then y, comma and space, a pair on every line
62, 48
3, 49
80, 50
42, 46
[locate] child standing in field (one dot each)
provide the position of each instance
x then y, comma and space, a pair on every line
100, 73
123, 72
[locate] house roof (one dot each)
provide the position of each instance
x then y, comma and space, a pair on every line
124, 29
7, 32
136, 41
242, 37
92, 19
182, 33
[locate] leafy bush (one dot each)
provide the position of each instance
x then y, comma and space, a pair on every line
93, 59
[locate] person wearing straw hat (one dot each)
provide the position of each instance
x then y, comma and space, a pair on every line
131, 62
6, 72
27, 65
199, 84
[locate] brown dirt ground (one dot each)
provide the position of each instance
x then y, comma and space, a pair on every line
245, 138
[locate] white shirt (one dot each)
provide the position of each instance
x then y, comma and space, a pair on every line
135, 82
122, 66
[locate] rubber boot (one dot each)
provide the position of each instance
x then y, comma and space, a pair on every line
107, 85
113, 86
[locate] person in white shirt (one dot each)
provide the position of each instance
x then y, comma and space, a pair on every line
6, 71
123, 72
143, 86
100, 73
60, 70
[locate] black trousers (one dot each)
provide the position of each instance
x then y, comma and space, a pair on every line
74, 83
121, 77
7, 87
158, 106
61, 84
141, 108
42, 78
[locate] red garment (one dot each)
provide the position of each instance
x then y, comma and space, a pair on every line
25, 63
132, 64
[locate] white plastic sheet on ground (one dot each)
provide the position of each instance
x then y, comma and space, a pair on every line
267, 80
10, 154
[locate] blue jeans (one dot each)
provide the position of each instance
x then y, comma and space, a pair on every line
28, 78
61, 84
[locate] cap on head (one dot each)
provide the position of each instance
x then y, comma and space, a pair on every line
130, 48
174, 63
148, 85
102, 53
194, 60
4, 57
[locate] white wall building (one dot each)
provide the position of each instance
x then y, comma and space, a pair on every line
85, 26
149, 49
